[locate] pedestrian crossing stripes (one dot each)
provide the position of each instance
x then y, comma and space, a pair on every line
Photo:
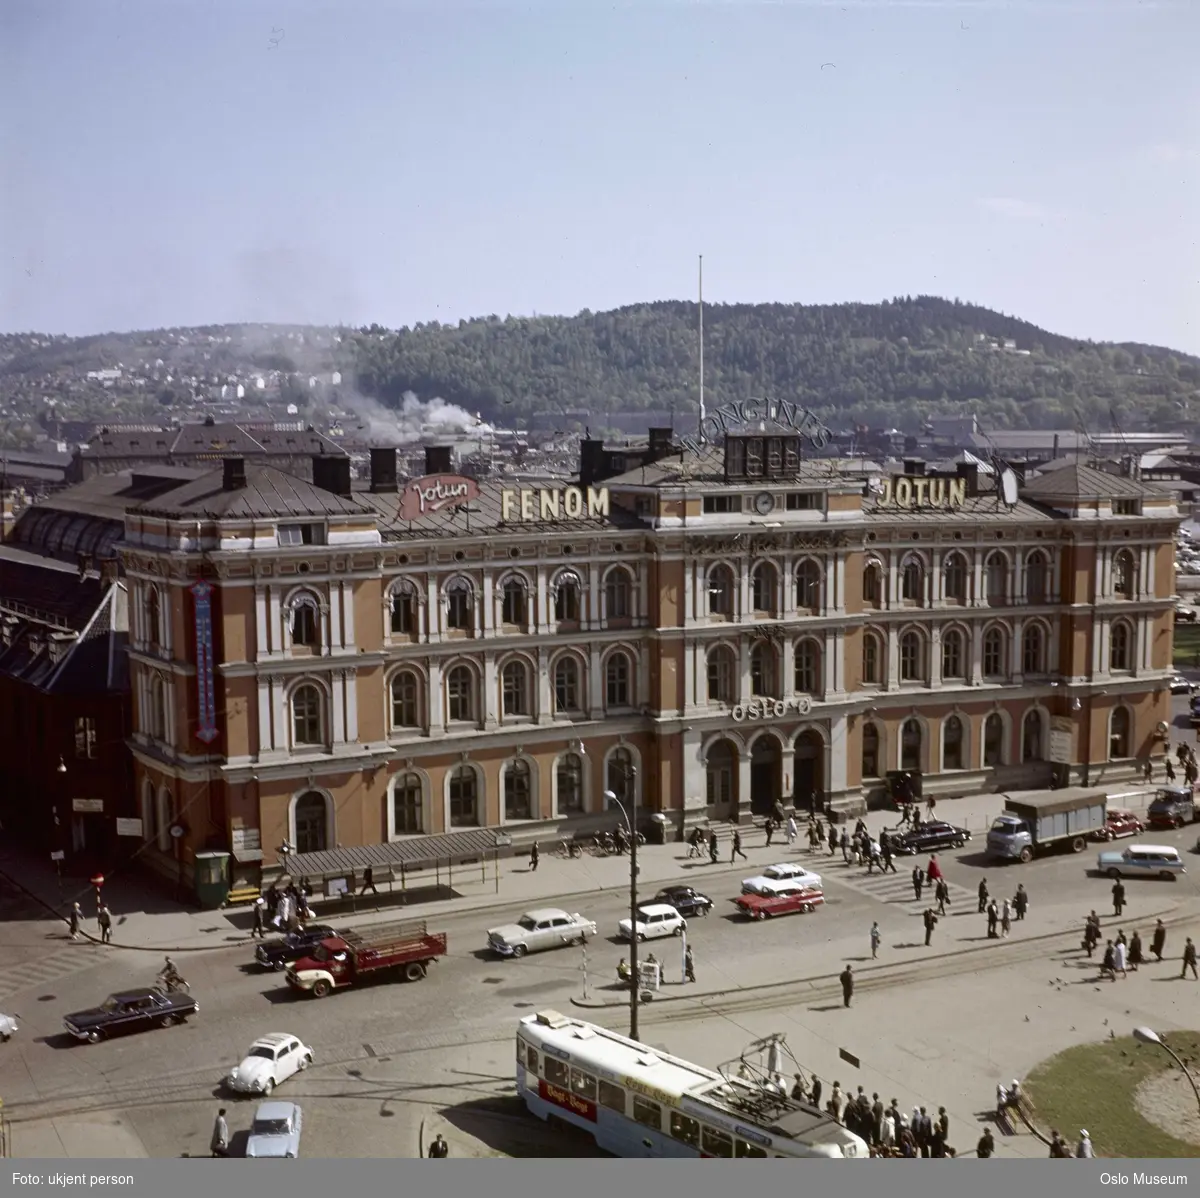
48, 969
896, 887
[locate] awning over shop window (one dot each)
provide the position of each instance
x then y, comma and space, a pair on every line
417, 852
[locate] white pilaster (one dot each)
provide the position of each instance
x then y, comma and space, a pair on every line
336, 636
595, 683
788, 668
978, 596
592, 618
543, 606
690, 574
490, 622
935, 657
839, 746
437, 699
743, 690
348, 630
491, 692
434, 610
891, 680
261, 644
976, 653
352, 706
545, 703
265, 731
276, 642
337, 707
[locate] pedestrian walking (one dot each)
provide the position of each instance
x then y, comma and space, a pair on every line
689, 965
983, 895
1005, 919
219, 1143
1108, 966
713, 848
921, 1129
931, 920
833, 840
104, 919
1020, 901
368, 883
439, 1149
815, 1097
259, 908
535, 855
1135, 951
942, 893
1189, 959
934, 870
1148, 771
799, 1090
791, 830
1170, 769
769, 827
987, 1144
836, 1098
844, 844
885, 852
918, 881
76, 919
847, 979
876, 937
1083, 1150
1119, 952
1159, 940
1118, 897
1091, 933
737, 849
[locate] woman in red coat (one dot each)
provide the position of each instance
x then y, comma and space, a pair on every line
935, 870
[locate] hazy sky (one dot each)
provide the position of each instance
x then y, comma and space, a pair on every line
168, 163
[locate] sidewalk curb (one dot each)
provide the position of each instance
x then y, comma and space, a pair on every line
826, 978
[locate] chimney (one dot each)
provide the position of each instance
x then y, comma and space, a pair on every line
439, 459
1019, 468
969, 471
383, 471
591, 461
235, 474
1055, 445
332, 473
914, 467
660, 443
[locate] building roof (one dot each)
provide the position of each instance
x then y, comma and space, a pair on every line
708, 467
984, 509
219, 439
1079, 481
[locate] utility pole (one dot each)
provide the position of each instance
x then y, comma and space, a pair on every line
701, 305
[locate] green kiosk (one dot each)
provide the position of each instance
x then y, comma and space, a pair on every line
212, 879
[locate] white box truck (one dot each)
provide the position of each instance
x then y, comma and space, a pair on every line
1040, 821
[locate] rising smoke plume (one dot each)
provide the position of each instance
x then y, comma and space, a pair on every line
406, 424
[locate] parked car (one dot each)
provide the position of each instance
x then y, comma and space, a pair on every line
1119, 823
1186, 615
1181, 685
768, 881
272, 1059
280, 952
1142, 861
928, 838
685, 899
543, 928
8, 1028
769, 886
653, 920
787, 902
131, 1011
275, 1132
1173, 806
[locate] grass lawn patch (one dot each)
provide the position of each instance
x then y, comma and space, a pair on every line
1186, 648
1093, 1086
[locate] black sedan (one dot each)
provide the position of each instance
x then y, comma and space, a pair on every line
283, 950
131, 1011
928, 838
685, 899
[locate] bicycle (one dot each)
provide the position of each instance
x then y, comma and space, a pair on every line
568, 850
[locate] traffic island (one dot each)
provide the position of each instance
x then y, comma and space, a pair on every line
1133, 1098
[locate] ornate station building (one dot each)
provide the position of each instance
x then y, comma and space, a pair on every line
323, 666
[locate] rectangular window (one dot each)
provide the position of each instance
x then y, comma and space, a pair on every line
557, 1074
715, 1143
612, 1097
85, 737
743, 1149
301, 534
1127, 507
531, 1059
714, 504
583, 1084
685, 1129
804, 501
647, 1113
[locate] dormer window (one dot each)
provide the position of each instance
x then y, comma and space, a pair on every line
301, 534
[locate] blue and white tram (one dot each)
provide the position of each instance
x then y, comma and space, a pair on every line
638, 1102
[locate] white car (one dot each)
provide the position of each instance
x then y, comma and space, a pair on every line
768, 881
654, 920
543, 928
8, 1027
275, 1132
272, 1059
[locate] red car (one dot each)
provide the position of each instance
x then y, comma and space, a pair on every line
787, 902
1120, 823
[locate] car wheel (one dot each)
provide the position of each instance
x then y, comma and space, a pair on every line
268, 1087
320, 988
1114, 873
95, 1036
168, 1021
1167, 875
520, 950
1179, 821
414, 971
641, 938
305, 1061
958, 844
279, 966
679, 929
1026, 855
759, 915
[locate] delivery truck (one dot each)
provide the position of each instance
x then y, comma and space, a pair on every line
1041, 821
388, 952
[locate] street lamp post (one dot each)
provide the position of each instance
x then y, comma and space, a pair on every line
635, 981
1147, 1035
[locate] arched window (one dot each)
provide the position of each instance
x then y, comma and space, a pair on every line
406, 700
954, 660
720, 592
870, 751
763, 674
567, 690
993, 740
912, 581
954, 578
514, 602
1037, 578
952, 744
621, 776
720, 774
308, 715
464, 797
514, 688
306, 623
157, 722
618, 680
567, 591
407, 805
809, 585
807, 680
872, 663
996, 580
1033, 650
911, 738
404, 606
568, 778
460, 606
518, 792
1124, 575
1031, 736
618, 594
994, 655
873, 585
1119, 734
1120, 651
912, 657
721, 677
312, 819
460, 695
153, 615
762, 588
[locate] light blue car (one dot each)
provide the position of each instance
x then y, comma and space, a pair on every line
275, 1132
1142, 860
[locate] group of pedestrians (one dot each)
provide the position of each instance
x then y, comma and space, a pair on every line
104, 921
1122, 955
887, 1130
286, 909
1000, 916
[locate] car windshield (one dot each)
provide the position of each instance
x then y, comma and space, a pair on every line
260, 1050
1006, 826
270, 1127
527, 923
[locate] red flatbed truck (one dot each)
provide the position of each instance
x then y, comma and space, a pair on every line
405, 949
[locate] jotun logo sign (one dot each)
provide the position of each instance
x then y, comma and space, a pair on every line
436, 493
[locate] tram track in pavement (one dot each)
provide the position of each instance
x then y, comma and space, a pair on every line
204, 1085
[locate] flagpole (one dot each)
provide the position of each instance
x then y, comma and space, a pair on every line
701, 305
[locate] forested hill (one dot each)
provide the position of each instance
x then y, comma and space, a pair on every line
893, 363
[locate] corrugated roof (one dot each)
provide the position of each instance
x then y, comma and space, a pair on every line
224, 437
418, 852
983, 509
268, 492
1079, 481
